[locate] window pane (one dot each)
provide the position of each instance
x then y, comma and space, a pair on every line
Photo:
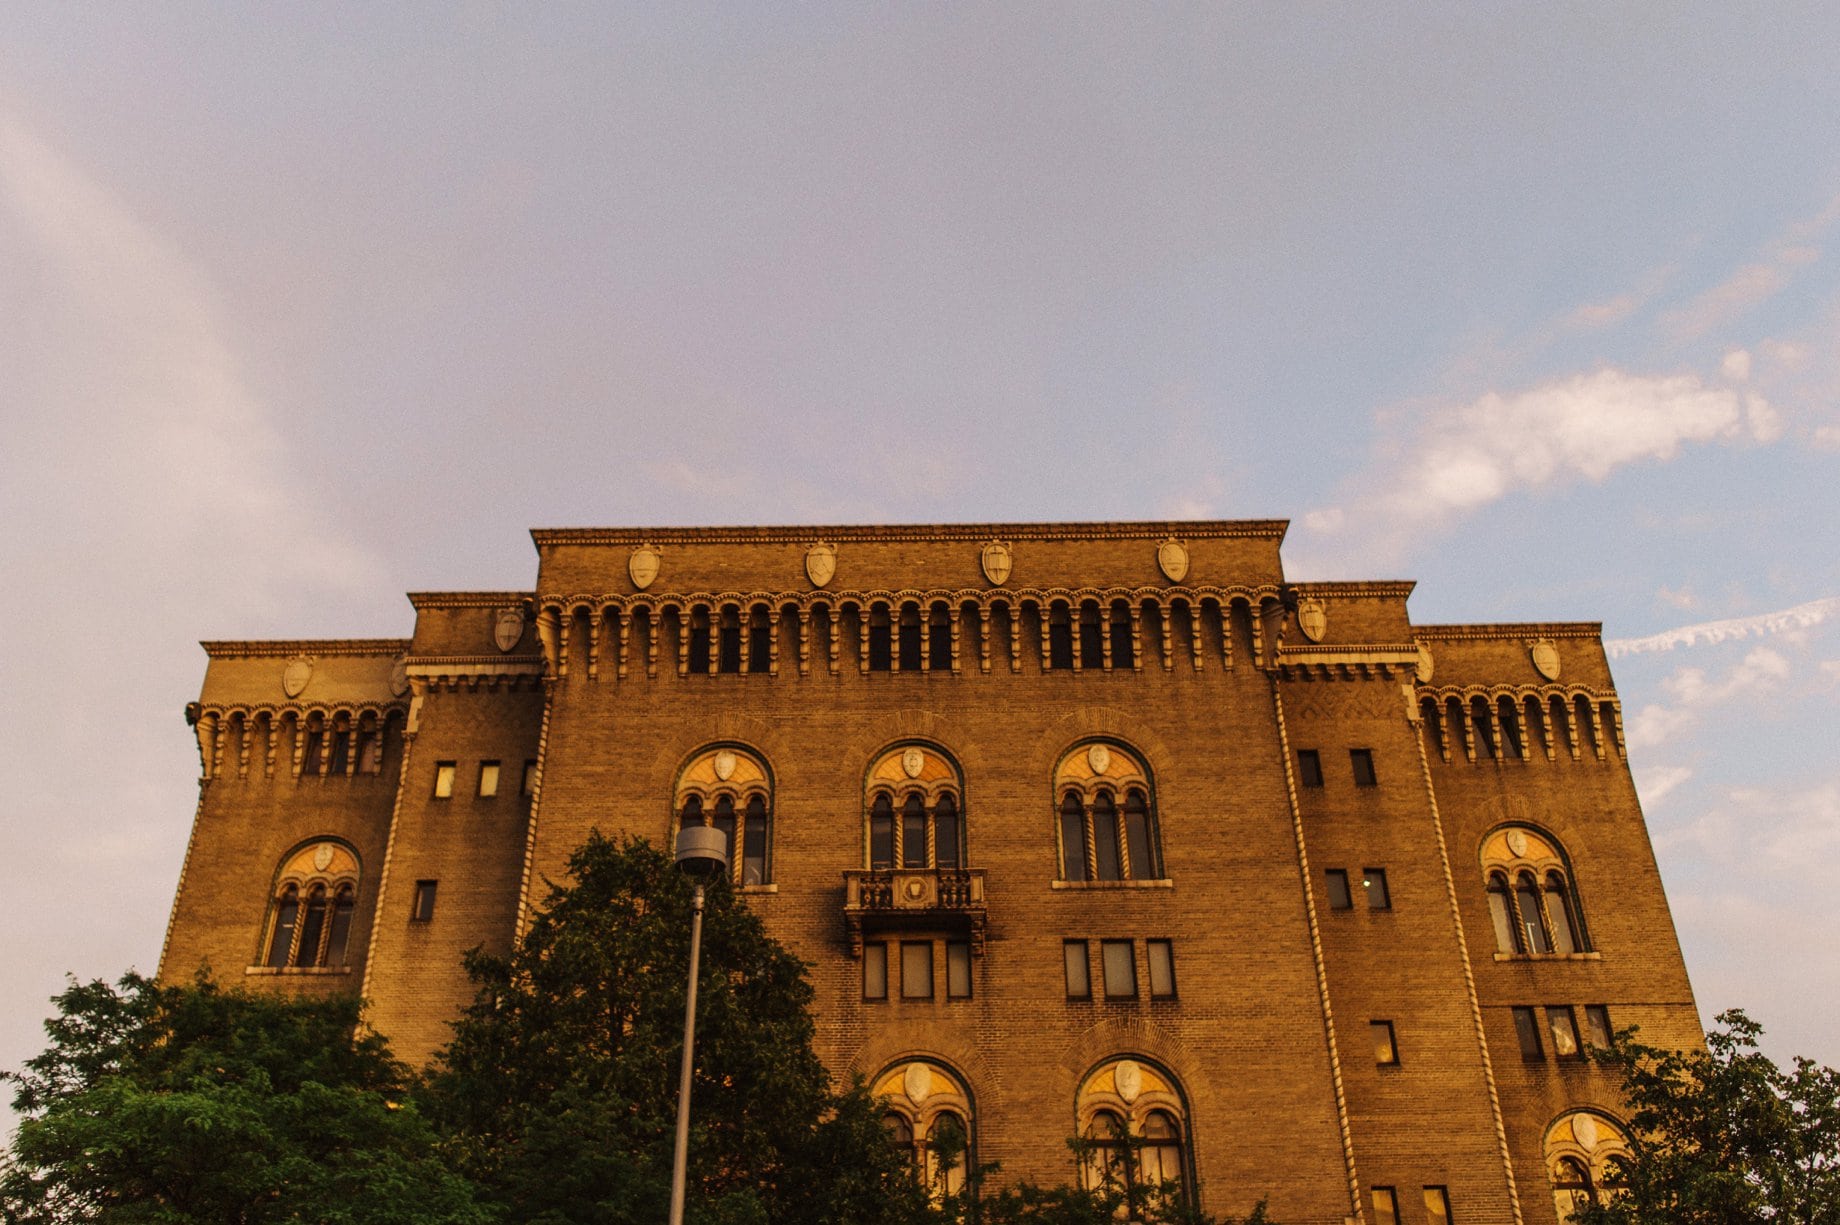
1527, 898
917, 970
1597, 1025
422, 909
488, 779
1363, 762
341, 753
910, 644
939, 645
1373, 882
342, 908
529, 785
754, 844
1060, 643
1502, 913
881, 833
1384, 1049
945, 832
311, 927
1105, 836
1564, 1029
1123, 655
760, 646
1073, 839
1079, 974
875, 971
1092, 642
913, 832
443, 779
1559, 910
1527, 1029
881, 649
1137, 837
286, 912
724, 820
729, 656
1386, 1206
1162, 968
699, 648
958, 971
1437, 1206
1339, 897
1120, 969
1309, 767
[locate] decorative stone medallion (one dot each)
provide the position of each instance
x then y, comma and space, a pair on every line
1584, 1130
912, 762
508, 627
1129, 1079
1545, 655
1517, 843
917, 1081
295, 676
642, 566
1172, 559
1099, 758
725, 765
399, 676
820, 564
995, 559
1312, 618
322, 857
1426, 667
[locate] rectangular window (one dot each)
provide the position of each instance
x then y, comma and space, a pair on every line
1386, 1051
881, 648
443, 780
1339, 897
315, 756
1437, 1206
1386, 1206
728, 649
1373, 883
760, 646
1597, 1026
917, 970
939, 646
341, 752
422, 908
1562, 1024
528, 786
958, 970
488, 779
699, 649
1309, 767
875, 971
1120, 965
1527, 1029
1162, 957
910, 645
1060, 644
1079, 971
1363, 762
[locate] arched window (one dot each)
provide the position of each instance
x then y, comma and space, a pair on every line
915, 810
1130, 1116
729, 789
1580, 1148
1106, 816
311, 907
926, 1111
1533, 904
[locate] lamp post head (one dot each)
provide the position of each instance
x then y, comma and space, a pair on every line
702, 852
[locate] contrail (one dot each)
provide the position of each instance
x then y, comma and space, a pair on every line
1802, 615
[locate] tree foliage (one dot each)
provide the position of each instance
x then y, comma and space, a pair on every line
191, 1103
1723, 1136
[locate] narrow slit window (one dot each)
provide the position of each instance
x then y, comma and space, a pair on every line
488, 779
341, 753
875, 971
528, 785
1073, 838
1363, 762
1597, 1026
939, 642
1533, 929
1124, 653
1105, 836
1162, 958
945, 832
1339, 896
881, 833
287, 912
1562, 1024
917, 970
1386, 1050
443, 780
1501, 913
421, 910
1060, 639
910, 641
315, 757
881, 644
1079, 972
754, 843
913, 831
1527, 1031
1386, 1206
1373, 884
760, 642
1309, 768
958, 970
1437, 1206
1120, 965
699, 645
1142, 855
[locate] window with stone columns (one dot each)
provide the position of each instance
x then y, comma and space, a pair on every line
914, 817
1533, 904
311, 907
926, 1111
1133, 1128
1105, 814
730, 789
1579, 1148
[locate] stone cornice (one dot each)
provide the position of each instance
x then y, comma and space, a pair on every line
1198, 529
466, 599
1510, 631
1379, 589
288, 648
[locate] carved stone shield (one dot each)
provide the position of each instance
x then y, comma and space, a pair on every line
1426, 667
322, 857
995, 560
725, 765
1313, 618
820, 564
1545, 654
917, 1082
1099, 758
295, 676
508, 627
1129, 1079
1517, 842
642, 566
1172, 560
1584, 1130
912, 762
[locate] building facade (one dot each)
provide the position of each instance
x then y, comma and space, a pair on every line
1103, 829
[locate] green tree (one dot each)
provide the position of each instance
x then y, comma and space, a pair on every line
1723, 1135
560, 1082
191, 1103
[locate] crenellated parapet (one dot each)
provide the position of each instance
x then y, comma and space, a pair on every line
322, 708
1518, 692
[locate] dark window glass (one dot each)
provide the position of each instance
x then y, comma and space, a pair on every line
1339, 896
1123, 654
910, 642
1092, 641
1363, 762
1162, 957
1103, 1168
945, 831
875, 971
529, 785
913, 831
1527, 1029
315, 756
1159, 1161
1309, 767
729, 657
1501, 913
312, 926
342, 907
1137, 837
1385, 1050
900, 1133
945, 1154
341, 752
760, 644
958, 970
754, 844
1437, 1206
1527, 898
724, 819
699, 648
1386, 1206
881, 833
1073, 838
370, 753
1079, 971
1597, 1026
1485, 731
1105, 836
939, 643
1559, 910
917, 970
881, 648
1511, 746
1563, 1026
422, 908
287, 912
1373, 883
1120, 965
1060, 641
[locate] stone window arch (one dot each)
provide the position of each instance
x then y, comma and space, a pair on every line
1105, 815
927, 1113
729, 788
311, 907
914, 810
1580, 1146
1133, 1123
1533, 902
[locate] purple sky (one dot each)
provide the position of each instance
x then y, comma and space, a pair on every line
306, 307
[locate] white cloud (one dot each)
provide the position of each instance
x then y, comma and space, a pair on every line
1694, 693
1705, 633
1655, 782
1736, 366
1603, 314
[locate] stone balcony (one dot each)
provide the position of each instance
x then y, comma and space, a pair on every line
914, 899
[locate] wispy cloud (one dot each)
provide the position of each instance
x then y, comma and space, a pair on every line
1706, 633
1756, 282
1694, 692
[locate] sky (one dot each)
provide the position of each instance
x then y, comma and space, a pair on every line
305, 307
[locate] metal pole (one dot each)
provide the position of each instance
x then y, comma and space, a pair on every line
683, 1081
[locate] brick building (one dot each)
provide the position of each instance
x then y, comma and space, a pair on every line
1094, 827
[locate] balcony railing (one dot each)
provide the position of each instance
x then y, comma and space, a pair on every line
910, 899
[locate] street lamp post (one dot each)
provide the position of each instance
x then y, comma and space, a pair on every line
702, 853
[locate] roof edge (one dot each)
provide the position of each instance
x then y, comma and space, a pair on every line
279, 647
1194, 529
